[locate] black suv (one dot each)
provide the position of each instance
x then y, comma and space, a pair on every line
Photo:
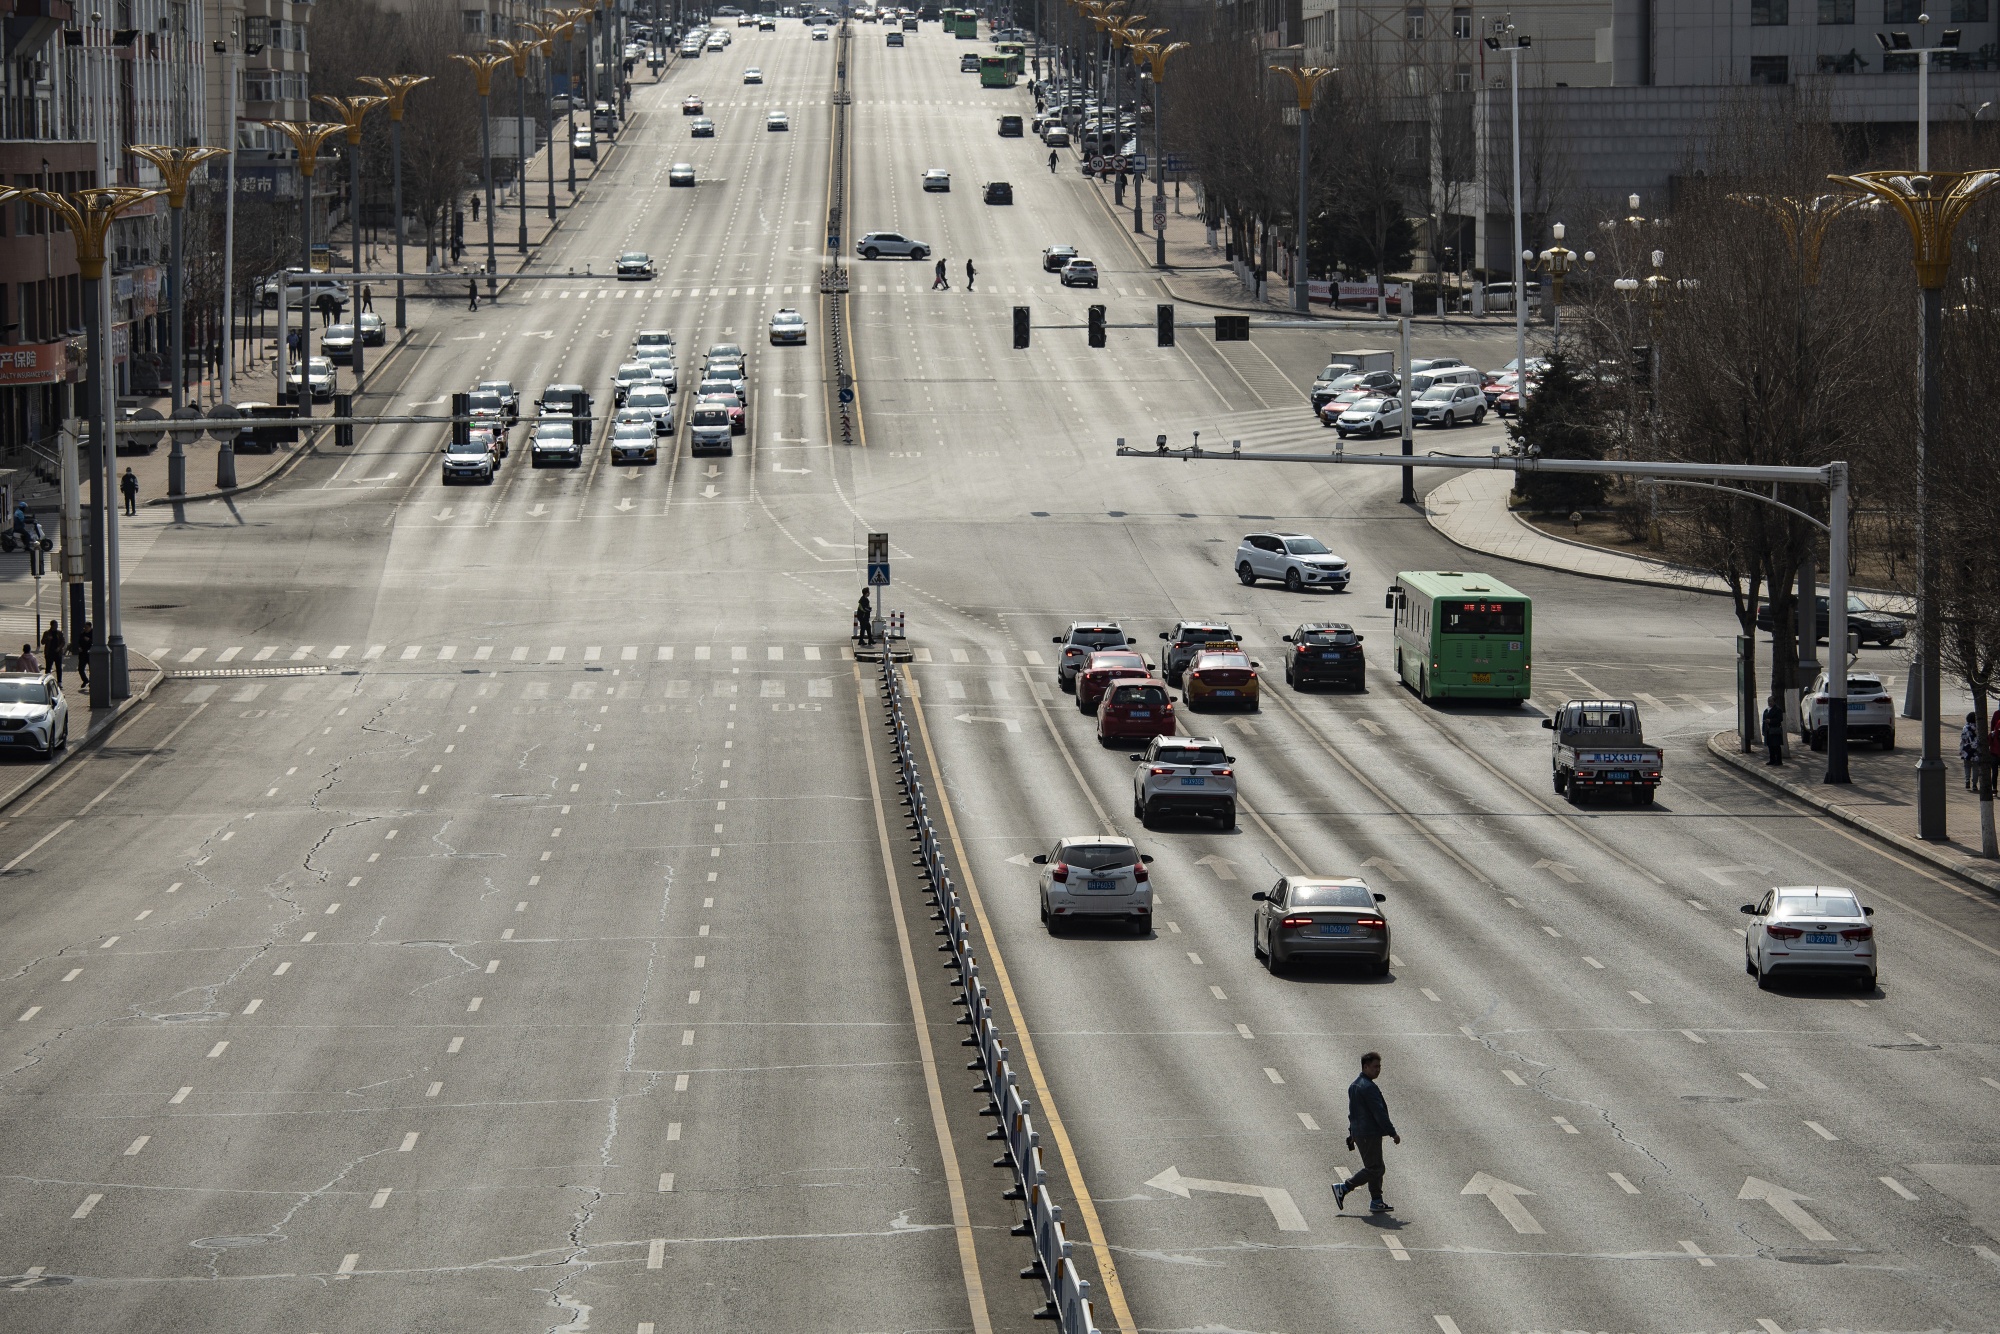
999, 192
1328, 654
1863, 621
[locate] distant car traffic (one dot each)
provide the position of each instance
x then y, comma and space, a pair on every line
554, 441
876, 245
1871, 712
777, 121
337, 341
34, 714
1103, 668
1866, 623
583, 145
937, 181
470, 460
753, 75
510, 400
1188, 638
1221, 677
653, 399
1448, 405
1101, 878
636, 264
691, 105
1082, 639
1134, 710
1371, 417
634, 441
681, 173
1079, 273
999, 192
1055, 256
788, 326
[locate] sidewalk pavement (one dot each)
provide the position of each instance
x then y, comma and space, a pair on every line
1881, 799
1471, 510
18, 778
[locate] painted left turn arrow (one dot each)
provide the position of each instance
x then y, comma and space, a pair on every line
1007, 723
1285, 1213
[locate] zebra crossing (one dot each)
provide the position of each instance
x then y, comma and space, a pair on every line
550, 293
202, 657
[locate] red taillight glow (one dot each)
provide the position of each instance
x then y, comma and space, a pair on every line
1159, 770
1784, 932
1301, 648
1859, 933
1222, 773
1139, 872
1370, 921
1296, 921
1060, 873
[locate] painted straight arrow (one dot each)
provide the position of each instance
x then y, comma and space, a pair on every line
713, 471
624, 506
1563, 869
1505, 1197
538, 510
1786, 1204
1007, 723
1283, 1211
1387, 867
708, 492
1220, 865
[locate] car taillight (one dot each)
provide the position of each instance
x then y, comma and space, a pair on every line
1159, 770
1139, 872
1299, 649
1370, 921
1222, 773
1060, 873
1296, 921
1859, 933
1784, 932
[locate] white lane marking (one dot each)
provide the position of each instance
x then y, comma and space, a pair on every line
1243, 1031
437, 1087
331, 909
1567, 1128
457, 1045
381, 1197
1822, 1131
474, 1003
1694, 1037
132, 1149
1395, 1245
1552, 931
673, 1130
256, 1003
218, 1049
1751, 1080
1623, 1184
180, 1095
1430, 995
35, 846
1592, 962
1785, 1203
1306, 1120
1217, 993
680, 1083
28, 1014
1514, 1079
666, 1182
656, 1253
1284, 1211
1898, 1187
89, 1203
1639, 996
1505, 1197
492, 965
348, 1261
687, 1037
72, 975
1699, 1258
409, 1142
282, 969
1271, 1074
1194, 958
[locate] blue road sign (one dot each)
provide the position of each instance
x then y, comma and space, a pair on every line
847, 395
878, 575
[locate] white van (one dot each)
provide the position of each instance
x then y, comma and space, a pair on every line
709, 428
1453, 375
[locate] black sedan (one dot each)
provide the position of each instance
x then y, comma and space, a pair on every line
1863, 622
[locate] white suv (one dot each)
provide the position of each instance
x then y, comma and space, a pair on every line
1083, 639
1184, 775
1448, 405
1300, 561
877, 244
1371, 416
1099, 879
1871, 714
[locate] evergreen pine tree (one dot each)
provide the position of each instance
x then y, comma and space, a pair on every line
1560, 420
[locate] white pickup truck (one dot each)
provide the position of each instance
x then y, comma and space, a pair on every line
1599, 746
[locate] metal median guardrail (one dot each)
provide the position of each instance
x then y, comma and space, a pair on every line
1068, 1303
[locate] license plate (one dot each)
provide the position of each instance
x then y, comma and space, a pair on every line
1225, 692
1329, 657
1619, 776
1193, 782
1335, 929
6, 741
1821, 938
1482, 678
1142, 713
1100, 885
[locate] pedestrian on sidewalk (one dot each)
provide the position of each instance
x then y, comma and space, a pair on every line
128, 486
1367, 1122
80, 646
864, 620
1774, 731
367, 299
29, 662
970, 274
475, 208
1968, 746
53, 645
940, 282
472, 293
1052, 161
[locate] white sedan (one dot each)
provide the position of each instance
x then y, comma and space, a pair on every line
1371, 416
1812, 930
753, 75
788, 326
34, 716
937, 181
777, 120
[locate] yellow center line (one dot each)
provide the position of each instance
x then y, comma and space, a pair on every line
1107, 1269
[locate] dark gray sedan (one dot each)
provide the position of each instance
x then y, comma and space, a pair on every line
1304, 917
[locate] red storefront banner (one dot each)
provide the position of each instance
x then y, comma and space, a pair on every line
33, 363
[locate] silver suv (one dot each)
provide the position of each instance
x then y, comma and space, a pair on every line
1083, 639
1186, 639
877, 244
1184, 775
1448, 405
1297, 560
1100, 879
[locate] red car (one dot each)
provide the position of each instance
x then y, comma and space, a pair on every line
1509, 401
691, 106
1100, 671
1135, 709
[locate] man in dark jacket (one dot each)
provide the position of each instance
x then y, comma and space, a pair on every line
1774, 731
1367, 1122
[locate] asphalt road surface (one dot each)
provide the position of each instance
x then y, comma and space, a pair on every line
509, 933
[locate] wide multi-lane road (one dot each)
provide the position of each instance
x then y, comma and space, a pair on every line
508, 934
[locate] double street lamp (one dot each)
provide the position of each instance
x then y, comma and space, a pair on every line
177, 167
1155, 54
394, 89
518, 52
307, 137
1558, 261
482, 64
1304, 81
545, 38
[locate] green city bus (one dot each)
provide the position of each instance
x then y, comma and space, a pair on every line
996, 72
1461, 636
1017, 56
963, 23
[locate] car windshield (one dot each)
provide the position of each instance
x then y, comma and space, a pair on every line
1097, 634
476, 445
1099, 856
1367, 405
23, 692
1834, 904
1856, 604
648, 398
635, 372
1098, 660
1206, 634
1331, 896
725, 352
633, 257
552, 430
633, 431
1864, 685
655, 339
500, 388
1306, 546
1140, 695
1440, 393
337, 331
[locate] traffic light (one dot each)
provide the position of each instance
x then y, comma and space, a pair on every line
343, 436
1020, 327
1232, 328
461, 429
1097, 326
582, 411
1165, 316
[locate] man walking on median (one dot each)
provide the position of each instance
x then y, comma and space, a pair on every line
1367, 1122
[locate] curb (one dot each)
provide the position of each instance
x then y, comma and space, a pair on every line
304, 452
1431, 517
1722, 745
94, 733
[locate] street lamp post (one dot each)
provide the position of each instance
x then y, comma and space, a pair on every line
1558, 261
482, 66
518, 53
1304, 81
1137, 41
1932, 205
307, 136
88, 214
545, 39
1156, 55
396, 87
1898, 44
569, 19
351, 111
176, 167
1514, 47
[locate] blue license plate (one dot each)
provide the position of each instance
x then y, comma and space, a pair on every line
1142, 713
1225, 692
1335, 929
1619, 776
1330, 657
1193, 782
1101, 886
1821, 938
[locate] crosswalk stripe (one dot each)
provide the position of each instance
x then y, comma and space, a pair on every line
339, 651
482, 653
228, 654
302, 652
192, 654
374, 651
447, 653
518, 655
556, 654
628, 654
264, 654
593, 653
